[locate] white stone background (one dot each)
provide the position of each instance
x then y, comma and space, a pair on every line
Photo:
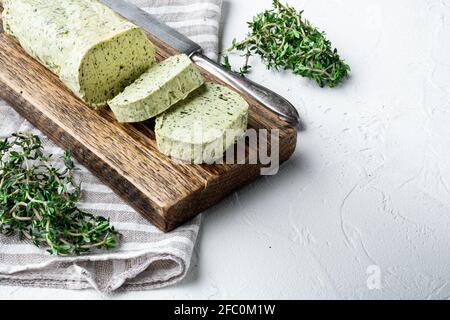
368, 186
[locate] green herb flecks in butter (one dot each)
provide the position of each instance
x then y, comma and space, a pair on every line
95, 52
163, 85
202, 127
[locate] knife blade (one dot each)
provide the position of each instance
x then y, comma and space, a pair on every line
149, 23
269, 99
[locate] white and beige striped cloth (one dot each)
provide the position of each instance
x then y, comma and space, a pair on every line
147, 258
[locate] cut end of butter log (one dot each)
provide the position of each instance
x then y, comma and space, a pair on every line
94, 51
162, 86
202, 127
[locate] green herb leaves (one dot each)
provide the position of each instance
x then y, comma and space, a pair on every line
284, 40
38, 201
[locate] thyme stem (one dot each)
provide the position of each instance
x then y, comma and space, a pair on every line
38, 201
284, 40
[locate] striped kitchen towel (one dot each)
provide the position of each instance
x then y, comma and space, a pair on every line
146, 258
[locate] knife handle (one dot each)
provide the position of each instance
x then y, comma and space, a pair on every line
269, 99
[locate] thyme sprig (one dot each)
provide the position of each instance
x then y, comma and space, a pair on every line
38, 200
285, 40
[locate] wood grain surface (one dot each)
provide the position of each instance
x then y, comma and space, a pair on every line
124, 156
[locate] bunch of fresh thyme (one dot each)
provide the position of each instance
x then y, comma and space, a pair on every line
38, 200
285, 40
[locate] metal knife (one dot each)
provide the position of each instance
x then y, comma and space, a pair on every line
269, 99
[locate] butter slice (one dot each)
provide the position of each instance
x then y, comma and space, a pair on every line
202, 127
162, 86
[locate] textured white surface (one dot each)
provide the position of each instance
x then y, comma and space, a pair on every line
368, 186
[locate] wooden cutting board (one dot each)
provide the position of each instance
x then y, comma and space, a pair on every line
124, 156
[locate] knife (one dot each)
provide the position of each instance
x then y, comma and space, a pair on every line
269, 99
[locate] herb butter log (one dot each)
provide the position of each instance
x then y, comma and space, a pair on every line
95, 52
202, 127
163, 85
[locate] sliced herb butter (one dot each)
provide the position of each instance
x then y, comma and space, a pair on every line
95, 52
163, 85
202, 127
